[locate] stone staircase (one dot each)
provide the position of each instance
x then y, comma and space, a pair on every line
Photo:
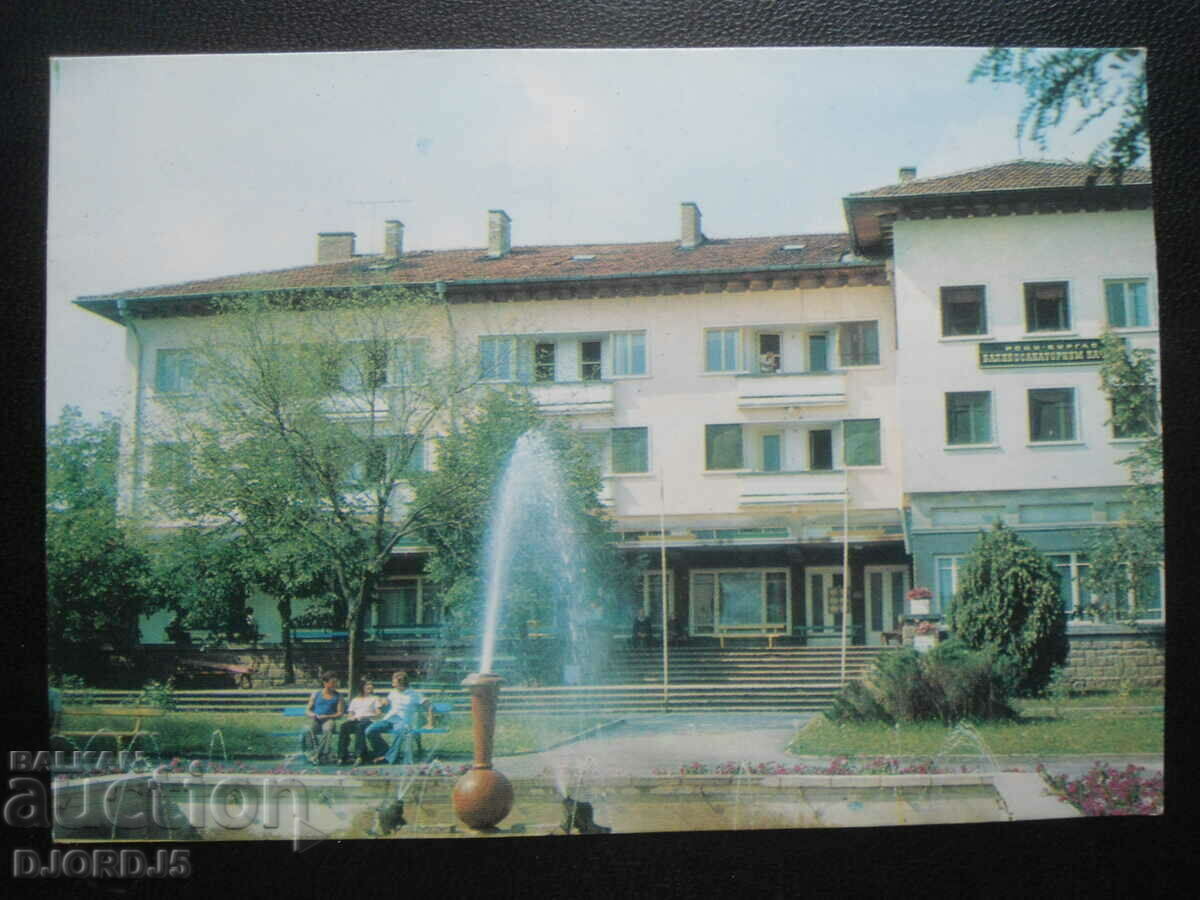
700, 679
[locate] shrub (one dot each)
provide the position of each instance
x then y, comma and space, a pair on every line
1008, 602
160, 694
948, 684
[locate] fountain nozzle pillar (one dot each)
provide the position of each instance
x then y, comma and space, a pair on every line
483, 796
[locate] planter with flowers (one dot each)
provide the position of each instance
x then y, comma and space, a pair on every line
925, 636
918, 601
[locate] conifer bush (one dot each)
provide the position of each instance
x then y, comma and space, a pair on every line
1007, 602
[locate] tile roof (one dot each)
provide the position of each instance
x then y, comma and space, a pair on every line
537, 263
1020, 174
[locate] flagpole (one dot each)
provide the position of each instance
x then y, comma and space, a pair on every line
663, 579
662, 546
845, 566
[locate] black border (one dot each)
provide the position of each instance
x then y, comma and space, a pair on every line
1117, 856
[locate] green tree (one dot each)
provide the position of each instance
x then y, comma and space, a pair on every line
1007, 601
304, 435
1124, 560
457, 501
98, 579
1096, 84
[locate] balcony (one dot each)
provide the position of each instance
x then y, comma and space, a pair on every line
791, 389
573, 397
792, 488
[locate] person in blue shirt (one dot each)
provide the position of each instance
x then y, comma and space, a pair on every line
325, 707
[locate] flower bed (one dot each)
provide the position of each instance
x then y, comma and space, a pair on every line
1107, 791
840, 765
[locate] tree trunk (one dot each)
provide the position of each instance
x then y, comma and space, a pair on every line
284, 605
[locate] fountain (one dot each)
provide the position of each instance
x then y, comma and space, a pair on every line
530, 496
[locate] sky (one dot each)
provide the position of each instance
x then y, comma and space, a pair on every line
172, 168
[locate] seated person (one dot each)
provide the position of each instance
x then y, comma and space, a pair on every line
643, 634
325, 707
403, 716
364, 710
676, 631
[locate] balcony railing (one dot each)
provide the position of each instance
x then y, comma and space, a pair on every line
573, 397
792, 488
792, 389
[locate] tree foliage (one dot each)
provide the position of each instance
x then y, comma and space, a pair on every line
303, 436
457, 501
1007, 601
98, 579
1095, 84
1124, 560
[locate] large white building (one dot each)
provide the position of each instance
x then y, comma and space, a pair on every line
755, 394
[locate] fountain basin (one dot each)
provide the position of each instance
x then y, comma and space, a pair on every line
343, 806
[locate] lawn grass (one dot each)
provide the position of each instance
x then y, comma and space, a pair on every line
254, 735
1076, 731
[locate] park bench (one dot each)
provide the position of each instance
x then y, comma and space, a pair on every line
317, 634
761, 630
132, 715
434, 724
416, 633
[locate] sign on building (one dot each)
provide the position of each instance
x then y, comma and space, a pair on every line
1076, 352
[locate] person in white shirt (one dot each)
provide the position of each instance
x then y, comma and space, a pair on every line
364, 710
404, 707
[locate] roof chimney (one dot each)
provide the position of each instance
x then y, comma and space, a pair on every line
393, 239
335, 246
691, 236
907, 174
499, 233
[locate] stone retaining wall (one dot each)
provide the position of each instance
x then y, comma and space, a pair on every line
1102, 656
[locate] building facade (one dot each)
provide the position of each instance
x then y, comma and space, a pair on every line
780, 412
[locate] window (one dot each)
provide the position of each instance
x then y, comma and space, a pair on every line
630, 450
589, 360
175, 372
723, 447
721, 349
408, 601
496, 358
410, 361
1135, 417
768, 353
364, 365
1127, 303
629, 353
820, 450
969, 418
543, 362
738, 597
860, 343
170, 465
963, 310
1052, 415
386, 457
1047, 307
1071, 569
861, 442
948, 569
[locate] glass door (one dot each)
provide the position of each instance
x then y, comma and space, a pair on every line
772, 455
818, 352
886, 587
822, 604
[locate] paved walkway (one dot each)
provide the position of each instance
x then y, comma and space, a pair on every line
643, 742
